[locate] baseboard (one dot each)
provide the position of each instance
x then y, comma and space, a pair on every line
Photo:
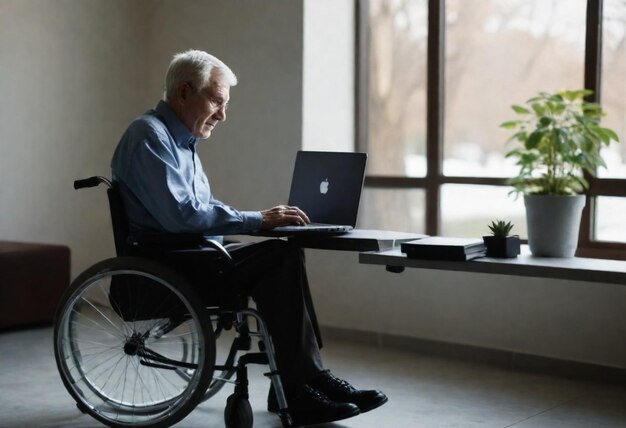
507, 359
24, 326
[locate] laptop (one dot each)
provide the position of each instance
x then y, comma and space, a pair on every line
327, 187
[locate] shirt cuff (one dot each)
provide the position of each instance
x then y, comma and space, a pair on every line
252, 220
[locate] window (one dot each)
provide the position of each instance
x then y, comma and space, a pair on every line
397, 88
496, 54
437, 77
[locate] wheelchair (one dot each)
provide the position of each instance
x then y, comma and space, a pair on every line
136, 346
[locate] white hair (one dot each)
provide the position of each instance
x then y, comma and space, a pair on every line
199, 69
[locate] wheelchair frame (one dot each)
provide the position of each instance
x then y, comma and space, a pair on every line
129, 363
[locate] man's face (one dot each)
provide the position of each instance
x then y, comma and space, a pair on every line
204, 108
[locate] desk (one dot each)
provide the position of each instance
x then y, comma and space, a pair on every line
357, 240
610, 272
575, 268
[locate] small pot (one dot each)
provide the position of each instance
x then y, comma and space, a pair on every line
506, 247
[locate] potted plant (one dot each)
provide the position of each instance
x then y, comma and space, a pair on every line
559, 138
500, 244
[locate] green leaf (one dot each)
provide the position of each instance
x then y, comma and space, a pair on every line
510, 124
545, 121
591, 131
538, 108
528, 158
568, 95
592, 111
578, 139
514, 152
500, 228
581, 183
559, 108
521, 136
606, 138
587, 145
592, 107
581, 93
519, 109
557, 98
555, 140
612, 134
533, 140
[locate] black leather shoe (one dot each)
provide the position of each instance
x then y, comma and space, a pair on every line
311, 407
341, 391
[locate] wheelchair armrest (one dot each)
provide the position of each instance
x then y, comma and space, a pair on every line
178, 241
219, 247
166, 239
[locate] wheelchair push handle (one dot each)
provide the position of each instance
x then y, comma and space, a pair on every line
90, 182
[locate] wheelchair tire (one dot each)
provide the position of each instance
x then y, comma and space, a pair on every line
133, 343
238, 413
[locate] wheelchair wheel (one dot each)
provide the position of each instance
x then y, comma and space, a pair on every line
133, 344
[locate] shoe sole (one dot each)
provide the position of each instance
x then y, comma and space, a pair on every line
297, 423
361, 410
325, 421
374, 406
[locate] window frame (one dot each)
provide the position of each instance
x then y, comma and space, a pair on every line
434, 179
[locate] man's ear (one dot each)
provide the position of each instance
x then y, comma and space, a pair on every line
182, 91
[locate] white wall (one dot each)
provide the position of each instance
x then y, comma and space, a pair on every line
328, 117
70, 80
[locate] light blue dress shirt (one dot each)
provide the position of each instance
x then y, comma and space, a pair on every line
162, 182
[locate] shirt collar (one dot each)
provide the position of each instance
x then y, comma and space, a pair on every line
182, 135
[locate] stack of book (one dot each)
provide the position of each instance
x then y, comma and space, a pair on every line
444, 248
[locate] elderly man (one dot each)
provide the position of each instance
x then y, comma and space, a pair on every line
166, 190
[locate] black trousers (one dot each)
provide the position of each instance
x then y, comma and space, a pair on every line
273, 273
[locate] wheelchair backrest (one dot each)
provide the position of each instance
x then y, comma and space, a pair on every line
127, 244
118, 219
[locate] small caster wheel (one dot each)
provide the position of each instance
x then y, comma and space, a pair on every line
238, 413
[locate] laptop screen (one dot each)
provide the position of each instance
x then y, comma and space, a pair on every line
327, 185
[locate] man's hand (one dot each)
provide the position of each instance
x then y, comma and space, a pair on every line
281, 215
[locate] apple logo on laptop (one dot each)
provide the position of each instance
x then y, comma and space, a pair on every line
324, 187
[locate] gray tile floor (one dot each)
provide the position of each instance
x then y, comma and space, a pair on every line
423, 392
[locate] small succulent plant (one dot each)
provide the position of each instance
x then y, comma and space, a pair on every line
500, 228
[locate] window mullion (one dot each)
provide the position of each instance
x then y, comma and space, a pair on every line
434, 114
593, 69
361, 90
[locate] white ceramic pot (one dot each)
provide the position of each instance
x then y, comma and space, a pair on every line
553, 224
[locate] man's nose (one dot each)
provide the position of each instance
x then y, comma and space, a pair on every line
220, 113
